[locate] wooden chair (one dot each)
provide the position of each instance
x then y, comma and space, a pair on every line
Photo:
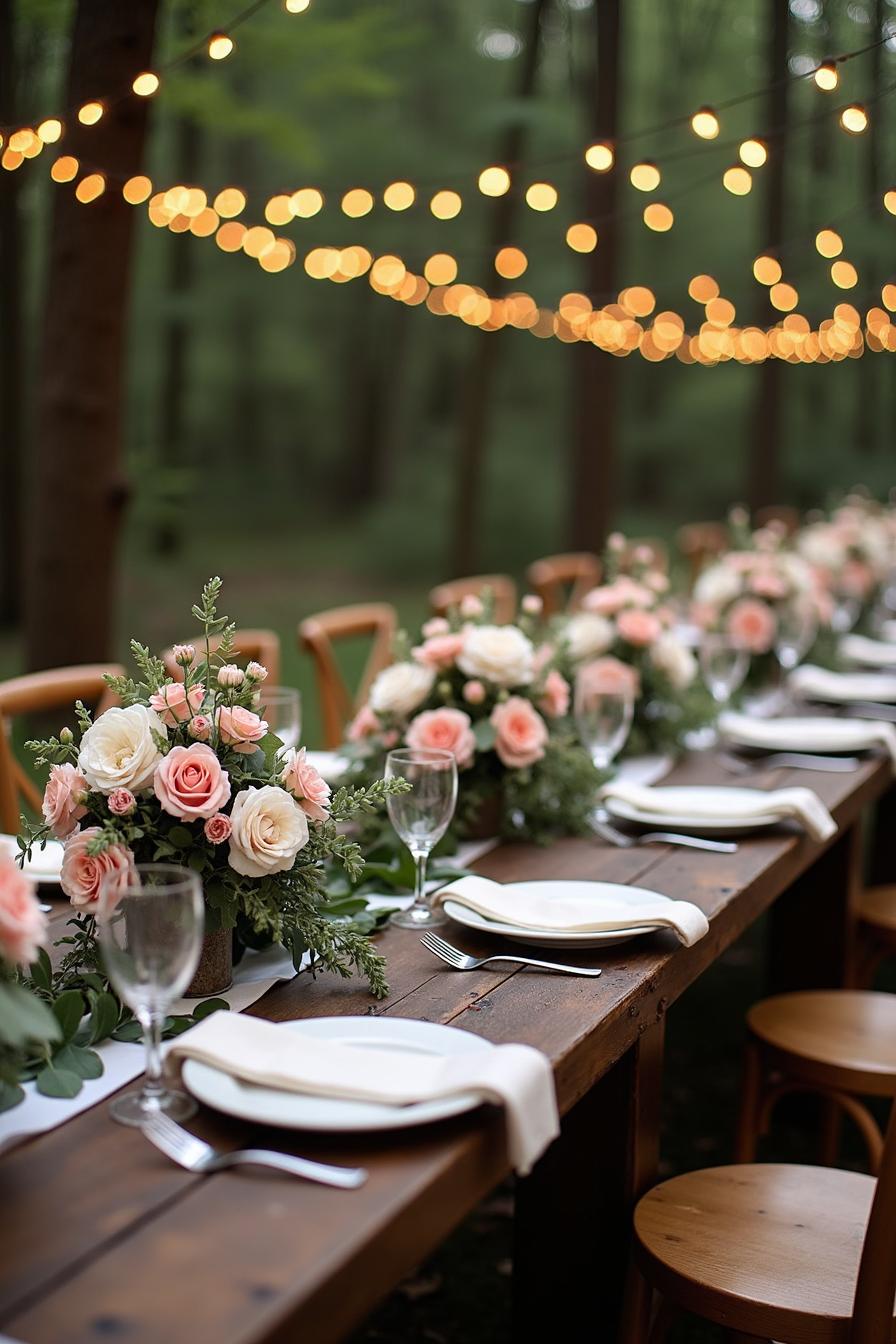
785, 514
839, 1043
40, 693
700, 543
804, 1255
260, 646
317, 634
502, 587
875, 932
659, 553
561, 581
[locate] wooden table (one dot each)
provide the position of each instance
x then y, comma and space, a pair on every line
104, 1239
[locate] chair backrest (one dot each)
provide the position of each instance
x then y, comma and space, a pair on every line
501, 586
260, 646
317, 634
784, 514
872, 1313
699, 543
39, 693
655, 546
561, 581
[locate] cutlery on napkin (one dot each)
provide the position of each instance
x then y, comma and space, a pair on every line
808, 734
817, 683
513, 1076
574, 914
868, 652
734, 805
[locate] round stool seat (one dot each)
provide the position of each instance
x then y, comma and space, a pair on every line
877, 906
838, 1038
768, 1250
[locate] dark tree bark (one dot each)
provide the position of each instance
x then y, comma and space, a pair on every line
12, 268
592, 475
79, 488
867, 417
763, 473
473, 436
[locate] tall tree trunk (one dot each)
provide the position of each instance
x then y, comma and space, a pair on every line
765, 451
79, 487
473, 435
866, 381
12, 268
592, 476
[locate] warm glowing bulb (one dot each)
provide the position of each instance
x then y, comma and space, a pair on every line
230, 236
844, 275
854, 119
737, 180
827, 76
581, 237
90, 113
50, 130
720, 312
230, 202
828, 243
445, 204
257, 241
541, 196
204, 224
753, 153
888, 297
146, 84
645, 176
767, 270
90, 187
296, 6
705, 123
64, 169
600, 156
278, 210
20, 141
784, 297
305, 202
658, 217
494, 181
137, 190
511, 262
220, 46
12, 159
889, 198
399, 196
441, 269
702, 288
357, 202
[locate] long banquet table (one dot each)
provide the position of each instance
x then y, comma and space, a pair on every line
104, 1239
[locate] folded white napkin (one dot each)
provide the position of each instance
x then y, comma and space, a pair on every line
815, 734
732, 804
817, 683
514, 1076
575, 914
868, 652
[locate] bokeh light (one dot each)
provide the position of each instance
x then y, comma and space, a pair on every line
854, 119
658, 217
146, 84
399, 196
446, 204
645, 176
581, 237
511, 262
753, 152
705, 123
541, 196
494, 181
600, 156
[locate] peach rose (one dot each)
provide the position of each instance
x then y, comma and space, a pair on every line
190, 783
364, 724
82, 873
438, 650
175, 704
610, 676
310, 790
269, 829
555, 697
752, 624
473, 692
217, 829
63, 804
23, 926
121, 803
638, 627
522, 733
444, 730
240, 728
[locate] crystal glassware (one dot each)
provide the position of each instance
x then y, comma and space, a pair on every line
150, 927
281, 708
797, 628
723, 664
421, 817
603, 719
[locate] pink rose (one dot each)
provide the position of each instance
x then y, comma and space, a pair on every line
471, 606
752, 624
532, 604
63, 804
473, 692
82, 873
555, 698
522, 733
200, 727
240, 728
438, 650
121, 802
444, 730
610, 676
190, 782
310, 790
217, 829
436, 625
364, 724
639, 627
23, 926
765, 583
175, 704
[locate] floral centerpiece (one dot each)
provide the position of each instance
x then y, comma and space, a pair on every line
27, 1026
496, 699
853, 552
188, 772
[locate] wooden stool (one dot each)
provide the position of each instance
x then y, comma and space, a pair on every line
501, 586
804, 1255
561, 581
317, 634
840, 1043
259, 646
875, 928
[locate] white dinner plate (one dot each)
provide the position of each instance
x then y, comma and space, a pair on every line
295, 1110
818, 734
685, 812
633, 896
45, 865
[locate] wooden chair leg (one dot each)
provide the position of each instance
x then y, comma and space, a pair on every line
831, 1127
636, 1307
663, 1317
748, 1122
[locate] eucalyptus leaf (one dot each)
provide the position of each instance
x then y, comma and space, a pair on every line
53, 1082
10, 1095
25, 1018
128, 1031
76, 1059
209, 1006
68, 1009
103, 1017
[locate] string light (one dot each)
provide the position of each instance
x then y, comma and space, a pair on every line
278, 210
64, 169
784, 297
844, 275
137, 190
854, 119
737, 180
90, 113
90, 187
600, 156
541, 196
357, 202
146, 84
753, 152
890, 202
296, 6
645, 176
399, 196
50, 130
888, 297
305, 203
828, 243
446, 204
230, 202
702, 288
581, 237
658, 217
705, 123
494, 181
440, 269
219, 46
827, 76
767, 270
511, 262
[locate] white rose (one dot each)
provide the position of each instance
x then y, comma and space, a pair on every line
401, 688
717, 586
674, 660
119, 752
588, 635
822, 547
269, 829
501, 654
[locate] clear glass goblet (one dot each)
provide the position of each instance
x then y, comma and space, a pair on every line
150, 932
421, 817
603, 719
797, 628
723, 665
281, 708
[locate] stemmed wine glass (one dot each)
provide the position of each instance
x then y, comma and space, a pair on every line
603, 719
421, 817
280, 706
150, 931
797, 628
723, 664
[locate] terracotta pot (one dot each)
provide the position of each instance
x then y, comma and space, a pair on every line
214, 973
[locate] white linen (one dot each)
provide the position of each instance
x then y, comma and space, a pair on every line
575, 914
515, 1076
815, 734
817, 683
868, 652
730, 804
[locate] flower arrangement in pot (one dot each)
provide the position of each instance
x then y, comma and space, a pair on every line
187, 772
496, 699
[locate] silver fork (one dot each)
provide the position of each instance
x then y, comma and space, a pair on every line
459, 961
794, 760
188, 1151
609, 833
